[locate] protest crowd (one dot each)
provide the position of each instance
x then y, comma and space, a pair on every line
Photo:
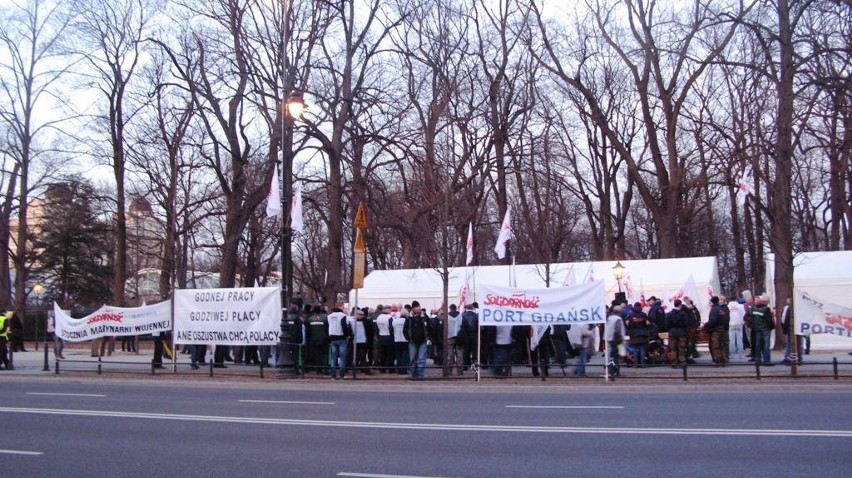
403, 339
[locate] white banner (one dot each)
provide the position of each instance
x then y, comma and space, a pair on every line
113, 321
249, 316
817, 316
579, 304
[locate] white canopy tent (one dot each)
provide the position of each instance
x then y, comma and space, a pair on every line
827, 275
657, 277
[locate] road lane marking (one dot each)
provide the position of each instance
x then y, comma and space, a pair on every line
435, 426
374, 475
287, 402
21, 452
51, 394
569, 407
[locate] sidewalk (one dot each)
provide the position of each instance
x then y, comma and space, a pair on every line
818, 366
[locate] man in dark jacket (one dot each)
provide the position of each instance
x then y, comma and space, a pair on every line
760, 319
717, 326
639, 330
416, 331
676, 324
468, 335
657, 316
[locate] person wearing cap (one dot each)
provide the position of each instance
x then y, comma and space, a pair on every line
416, 330
614, 333
676, 324
762, 323
717, 326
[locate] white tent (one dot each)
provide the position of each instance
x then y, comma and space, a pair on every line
827, 275
655, 277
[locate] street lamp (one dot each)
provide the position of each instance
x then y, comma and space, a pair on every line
618, 272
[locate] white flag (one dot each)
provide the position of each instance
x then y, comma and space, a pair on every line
273, 199
297, 223
744, 188
505, 234
469, 246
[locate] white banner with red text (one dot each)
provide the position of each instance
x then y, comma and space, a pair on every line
579, 304
111, 321
247, 316
815, 315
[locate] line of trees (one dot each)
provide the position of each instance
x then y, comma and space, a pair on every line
615, 129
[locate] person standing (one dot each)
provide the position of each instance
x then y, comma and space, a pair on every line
58, 343
338, 334
436, 332
676, 324
762, 323
318, 343
693, 323
614, 335
717, 327
735, 330
400, 343
468, 335
362, 331
4, 341
158, 350
639, 330
416, 331
385, 340
16, 333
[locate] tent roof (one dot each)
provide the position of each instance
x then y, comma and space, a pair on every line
654, 275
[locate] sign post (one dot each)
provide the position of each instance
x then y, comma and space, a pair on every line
359, 266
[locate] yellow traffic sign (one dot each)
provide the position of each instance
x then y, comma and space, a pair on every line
361, 217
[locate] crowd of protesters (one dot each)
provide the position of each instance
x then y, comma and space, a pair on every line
400, 339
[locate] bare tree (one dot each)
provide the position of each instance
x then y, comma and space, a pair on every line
32, 37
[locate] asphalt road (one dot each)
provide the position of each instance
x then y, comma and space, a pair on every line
82, 428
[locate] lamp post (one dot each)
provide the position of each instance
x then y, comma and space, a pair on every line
618, 272
291, 111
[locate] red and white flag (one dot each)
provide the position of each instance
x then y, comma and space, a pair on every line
463, 293
273, 199
469, 260
505, 234
297, 222
744, 188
